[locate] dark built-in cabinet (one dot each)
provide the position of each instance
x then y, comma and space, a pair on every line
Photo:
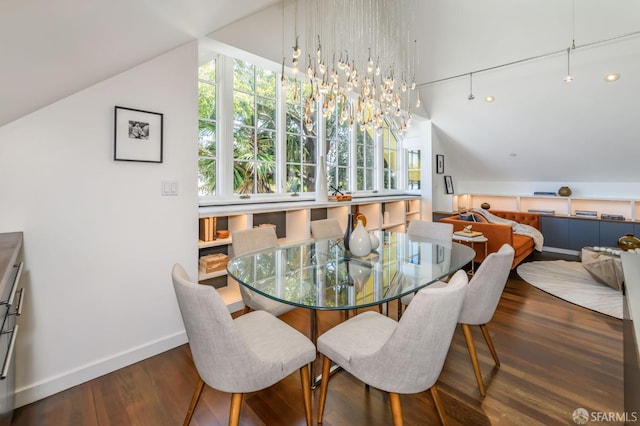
573, 233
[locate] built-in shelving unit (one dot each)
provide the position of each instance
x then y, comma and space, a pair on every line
292, 222
568, 223
559, 206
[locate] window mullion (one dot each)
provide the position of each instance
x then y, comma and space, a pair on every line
281, 137
224, 179
378, 148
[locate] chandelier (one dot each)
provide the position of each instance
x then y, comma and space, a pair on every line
359, 57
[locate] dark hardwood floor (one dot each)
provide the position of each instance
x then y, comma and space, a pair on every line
555, 357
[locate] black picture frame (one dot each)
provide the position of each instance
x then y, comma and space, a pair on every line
137, 135
439, 164
448, 184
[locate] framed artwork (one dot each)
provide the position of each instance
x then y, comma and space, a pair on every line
439, 164
137, 135
448, 184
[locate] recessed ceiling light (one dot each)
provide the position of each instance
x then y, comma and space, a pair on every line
489, 99
611, 77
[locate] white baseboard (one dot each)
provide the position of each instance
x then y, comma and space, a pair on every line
561, 251
45, 388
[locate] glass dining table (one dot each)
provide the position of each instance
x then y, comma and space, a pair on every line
323, 275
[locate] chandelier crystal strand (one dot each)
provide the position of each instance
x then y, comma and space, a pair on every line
359, 57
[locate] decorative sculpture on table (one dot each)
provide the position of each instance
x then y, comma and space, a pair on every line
359, 242
348, 230
628, 242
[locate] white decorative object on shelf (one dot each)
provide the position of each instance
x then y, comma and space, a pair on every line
359, 242
375, 242
321, 185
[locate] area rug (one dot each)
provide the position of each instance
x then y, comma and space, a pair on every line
571, 282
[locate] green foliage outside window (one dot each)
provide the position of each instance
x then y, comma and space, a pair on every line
207, 129
254, 130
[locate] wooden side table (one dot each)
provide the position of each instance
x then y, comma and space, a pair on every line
471, 241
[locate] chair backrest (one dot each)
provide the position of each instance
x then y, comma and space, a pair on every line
253, 239
486, 286
326, 228
434, 230
219, 353
413, 357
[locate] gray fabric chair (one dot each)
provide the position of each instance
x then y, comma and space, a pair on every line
247, 354
326, 228
249, 241
481, 301
435, 230
397, 357
431, 231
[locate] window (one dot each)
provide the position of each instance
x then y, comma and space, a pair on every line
338, 140
413, 172
260, 138
207, 129
390, 155
301, 140
254, 129
365, 158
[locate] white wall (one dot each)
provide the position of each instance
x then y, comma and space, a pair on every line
99, 240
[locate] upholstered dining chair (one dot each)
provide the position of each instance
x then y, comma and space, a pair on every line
435, 230
431, 230
481, 301
326, 228
248, 241
397, 357
247, 354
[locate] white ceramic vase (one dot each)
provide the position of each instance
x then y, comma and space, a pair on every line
359, 242
375, 242
321, 181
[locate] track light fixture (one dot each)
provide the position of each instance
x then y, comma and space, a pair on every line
569, 77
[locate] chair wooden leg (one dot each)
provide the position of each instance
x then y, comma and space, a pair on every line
487, 338
438, 402
468, 337
396, 408
306, 392
234, 410
324, 384
194, 401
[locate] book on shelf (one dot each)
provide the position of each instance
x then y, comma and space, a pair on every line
587, 213
469, 234
207, 229
539, 211
547, 193
611, 216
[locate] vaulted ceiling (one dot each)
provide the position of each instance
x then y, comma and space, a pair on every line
538, 128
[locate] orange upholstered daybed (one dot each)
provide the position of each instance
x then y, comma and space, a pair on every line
499, 234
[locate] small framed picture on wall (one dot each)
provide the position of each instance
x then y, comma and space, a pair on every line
439, 164
448, 184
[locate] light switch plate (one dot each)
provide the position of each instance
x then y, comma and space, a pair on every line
169, 187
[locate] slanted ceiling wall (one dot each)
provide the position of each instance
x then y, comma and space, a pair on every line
99, 240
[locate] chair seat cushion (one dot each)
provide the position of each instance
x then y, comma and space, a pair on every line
273, 341
359, 336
